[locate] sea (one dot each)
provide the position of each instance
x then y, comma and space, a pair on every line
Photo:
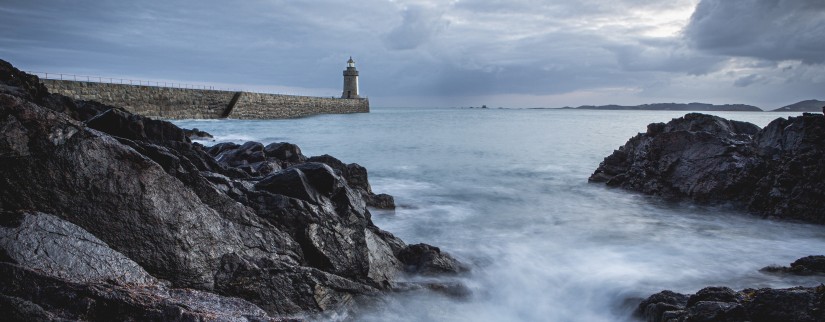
506, 191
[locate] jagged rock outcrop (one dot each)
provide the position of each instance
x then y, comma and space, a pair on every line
429, 260
778, 171
722, 304
52, 269
183, 229
196, 134
256, 159
808, 265
45, 243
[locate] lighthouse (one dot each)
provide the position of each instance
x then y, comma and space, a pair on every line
350, 80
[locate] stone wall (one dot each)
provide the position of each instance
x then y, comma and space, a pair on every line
263, 106
184, 103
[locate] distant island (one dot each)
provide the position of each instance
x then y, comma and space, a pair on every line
673, 107
803, 106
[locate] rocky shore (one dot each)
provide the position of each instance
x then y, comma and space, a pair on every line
106, 215
775, 172
719, 303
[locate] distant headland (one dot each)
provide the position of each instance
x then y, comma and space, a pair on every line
673, 107
803, 106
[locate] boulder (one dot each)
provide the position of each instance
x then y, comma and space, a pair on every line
357, 179
29, 295
45, 243
809, 265
196, 134
778, 171
657, 305
52, 269
429, 260
724, 305
120, 123
287, 153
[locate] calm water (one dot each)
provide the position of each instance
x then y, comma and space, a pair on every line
507, 191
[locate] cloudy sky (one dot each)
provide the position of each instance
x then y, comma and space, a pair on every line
512, 53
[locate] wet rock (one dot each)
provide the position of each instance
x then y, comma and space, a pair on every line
715, 311
263, 281
49, 244
357, 179
33, 296
793, 304
713, 294
426, 259
116, 193
196, 134
723, 304
381, 201
778, 171
810, 265
287, 153
98, 206
233, 155
28, 87
118, 122
657, 305
307, 182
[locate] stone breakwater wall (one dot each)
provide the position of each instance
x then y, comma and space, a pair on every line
263, 106
185, 103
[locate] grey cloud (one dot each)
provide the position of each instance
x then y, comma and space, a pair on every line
418, 25
433, 48
766, 29
748, 80
664, 56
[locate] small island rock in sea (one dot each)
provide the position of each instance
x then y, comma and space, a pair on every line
776, 172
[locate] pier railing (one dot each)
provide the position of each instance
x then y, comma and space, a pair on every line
116, 80
142, 82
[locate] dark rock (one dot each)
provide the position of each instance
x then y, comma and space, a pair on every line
713, 311
28, 87
124, 207
778, 171
287, 153
723, 304
260, 282
249, 152
49, 244
810, 265
426, 259
713, 294
118, 122
16, 309
654, 307
794, 304
219, 148
195, 134
29, 294
306, 182
357, 179
381, 201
